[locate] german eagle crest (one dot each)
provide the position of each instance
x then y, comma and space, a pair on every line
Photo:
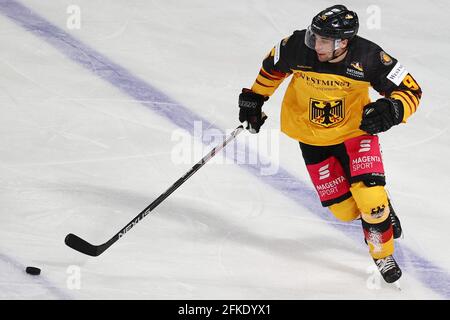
326, 112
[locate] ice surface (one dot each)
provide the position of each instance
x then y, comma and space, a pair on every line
80, 155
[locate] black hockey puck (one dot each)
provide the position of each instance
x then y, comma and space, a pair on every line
33, 270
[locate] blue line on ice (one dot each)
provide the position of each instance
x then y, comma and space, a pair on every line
427, 272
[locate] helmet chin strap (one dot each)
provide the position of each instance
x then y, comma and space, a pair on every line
337, 56
337, 46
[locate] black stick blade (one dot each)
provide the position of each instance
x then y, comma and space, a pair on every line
76, 243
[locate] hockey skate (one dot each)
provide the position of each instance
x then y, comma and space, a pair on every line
389, 269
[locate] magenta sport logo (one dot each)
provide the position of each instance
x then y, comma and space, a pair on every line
324, 172
365, 145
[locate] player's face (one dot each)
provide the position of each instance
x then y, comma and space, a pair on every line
324, 48
327, 49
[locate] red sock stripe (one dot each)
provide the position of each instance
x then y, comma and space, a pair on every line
385, 236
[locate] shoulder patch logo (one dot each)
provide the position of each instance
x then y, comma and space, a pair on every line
385, 58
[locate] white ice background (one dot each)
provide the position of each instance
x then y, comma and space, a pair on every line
78, 155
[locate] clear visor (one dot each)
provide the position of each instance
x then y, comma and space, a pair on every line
319, 43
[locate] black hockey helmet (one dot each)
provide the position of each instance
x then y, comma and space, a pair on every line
336, 22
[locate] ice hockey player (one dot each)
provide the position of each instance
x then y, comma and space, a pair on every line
327, 109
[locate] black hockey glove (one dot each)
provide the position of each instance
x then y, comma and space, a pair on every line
381, 115
250, 110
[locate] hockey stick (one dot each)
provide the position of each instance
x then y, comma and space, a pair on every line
85, 247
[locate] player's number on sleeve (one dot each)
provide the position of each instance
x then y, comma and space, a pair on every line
410, 82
